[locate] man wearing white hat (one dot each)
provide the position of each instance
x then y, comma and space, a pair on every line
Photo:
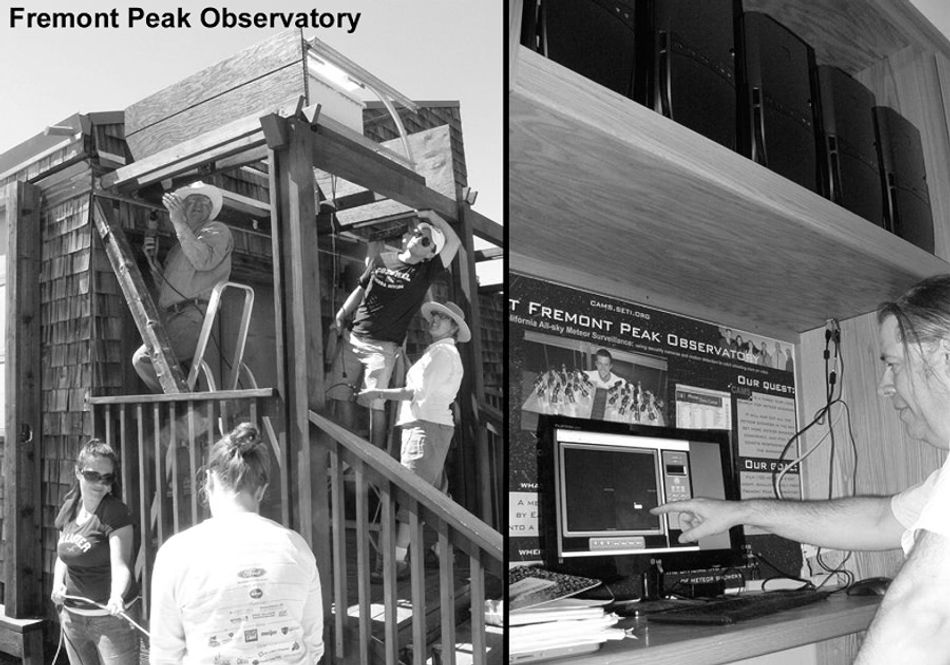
425, 411
200, 259
388, 296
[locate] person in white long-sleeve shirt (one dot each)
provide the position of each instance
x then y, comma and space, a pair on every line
238, 587
425, 412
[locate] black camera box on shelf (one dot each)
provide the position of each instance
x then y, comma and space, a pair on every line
674, 56
595, 38
777, 92
690, 68
903, 178
850, 173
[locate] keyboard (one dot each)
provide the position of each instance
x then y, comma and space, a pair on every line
741, 608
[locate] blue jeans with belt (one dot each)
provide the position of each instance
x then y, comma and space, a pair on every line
105, 640
183, 328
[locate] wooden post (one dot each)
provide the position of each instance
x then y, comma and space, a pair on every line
22, 514
472, 429
300, 338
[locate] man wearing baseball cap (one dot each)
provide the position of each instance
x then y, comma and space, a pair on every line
200, 259
389, 294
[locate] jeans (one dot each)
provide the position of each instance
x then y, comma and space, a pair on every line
183, 329
109, 640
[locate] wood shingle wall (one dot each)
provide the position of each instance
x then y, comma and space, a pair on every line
66, 349
379, 126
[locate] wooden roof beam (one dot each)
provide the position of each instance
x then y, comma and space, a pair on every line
354, 162
337, 149
489, 254
234, 138
236, 143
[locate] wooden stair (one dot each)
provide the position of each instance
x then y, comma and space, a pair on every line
404, 612
494, 645
404, 617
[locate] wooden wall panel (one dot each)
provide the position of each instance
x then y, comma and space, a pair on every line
850, 34
258, 79
434, 156
888, 460
910, 82
379, 126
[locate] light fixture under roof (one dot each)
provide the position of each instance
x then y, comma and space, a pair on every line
332, 73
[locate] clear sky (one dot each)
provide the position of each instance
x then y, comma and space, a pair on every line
426, 49
936, 11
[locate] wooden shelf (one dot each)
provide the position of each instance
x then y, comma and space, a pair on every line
665, 644
601, 186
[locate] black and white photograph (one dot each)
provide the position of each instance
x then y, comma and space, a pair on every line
253, 300
757, 194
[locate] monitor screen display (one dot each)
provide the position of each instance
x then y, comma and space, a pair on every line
599, 481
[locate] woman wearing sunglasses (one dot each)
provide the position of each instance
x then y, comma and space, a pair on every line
93, 563
379, 312
238, 587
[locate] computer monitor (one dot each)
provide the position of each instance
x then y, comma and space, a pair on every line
598, 481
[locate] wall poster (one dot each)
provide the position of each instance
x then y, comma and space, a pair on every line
588, 355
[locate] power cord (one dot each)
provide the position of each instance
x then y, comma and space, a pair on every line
806, 584
122, 613
834, 377
88, 601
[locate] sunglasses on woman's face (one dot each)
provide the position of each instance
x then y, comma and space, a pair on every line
96, 477
426, 240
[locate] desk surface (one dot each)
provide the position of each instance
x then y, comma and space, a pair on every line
667, 644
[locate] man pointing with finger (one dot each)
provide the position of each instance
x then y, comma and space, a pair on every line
910, 625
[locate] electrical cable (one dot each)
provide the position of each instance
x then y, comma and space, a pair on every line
88, 601
59, 646
833, 375
819, 417
831, 378
121, 613
829, 392
806, 584
839, 363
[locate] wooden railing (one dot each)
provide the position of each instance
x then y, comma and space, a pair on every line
163, 441
375, 475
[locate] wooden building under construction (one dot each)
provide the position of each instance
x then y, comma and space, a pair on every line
310, 174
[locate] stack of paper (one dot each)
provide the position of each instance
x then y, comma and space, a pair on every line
532, 585
559, 628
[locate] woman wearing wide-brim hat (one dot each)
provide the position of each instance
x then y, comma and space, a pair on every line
425, 412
